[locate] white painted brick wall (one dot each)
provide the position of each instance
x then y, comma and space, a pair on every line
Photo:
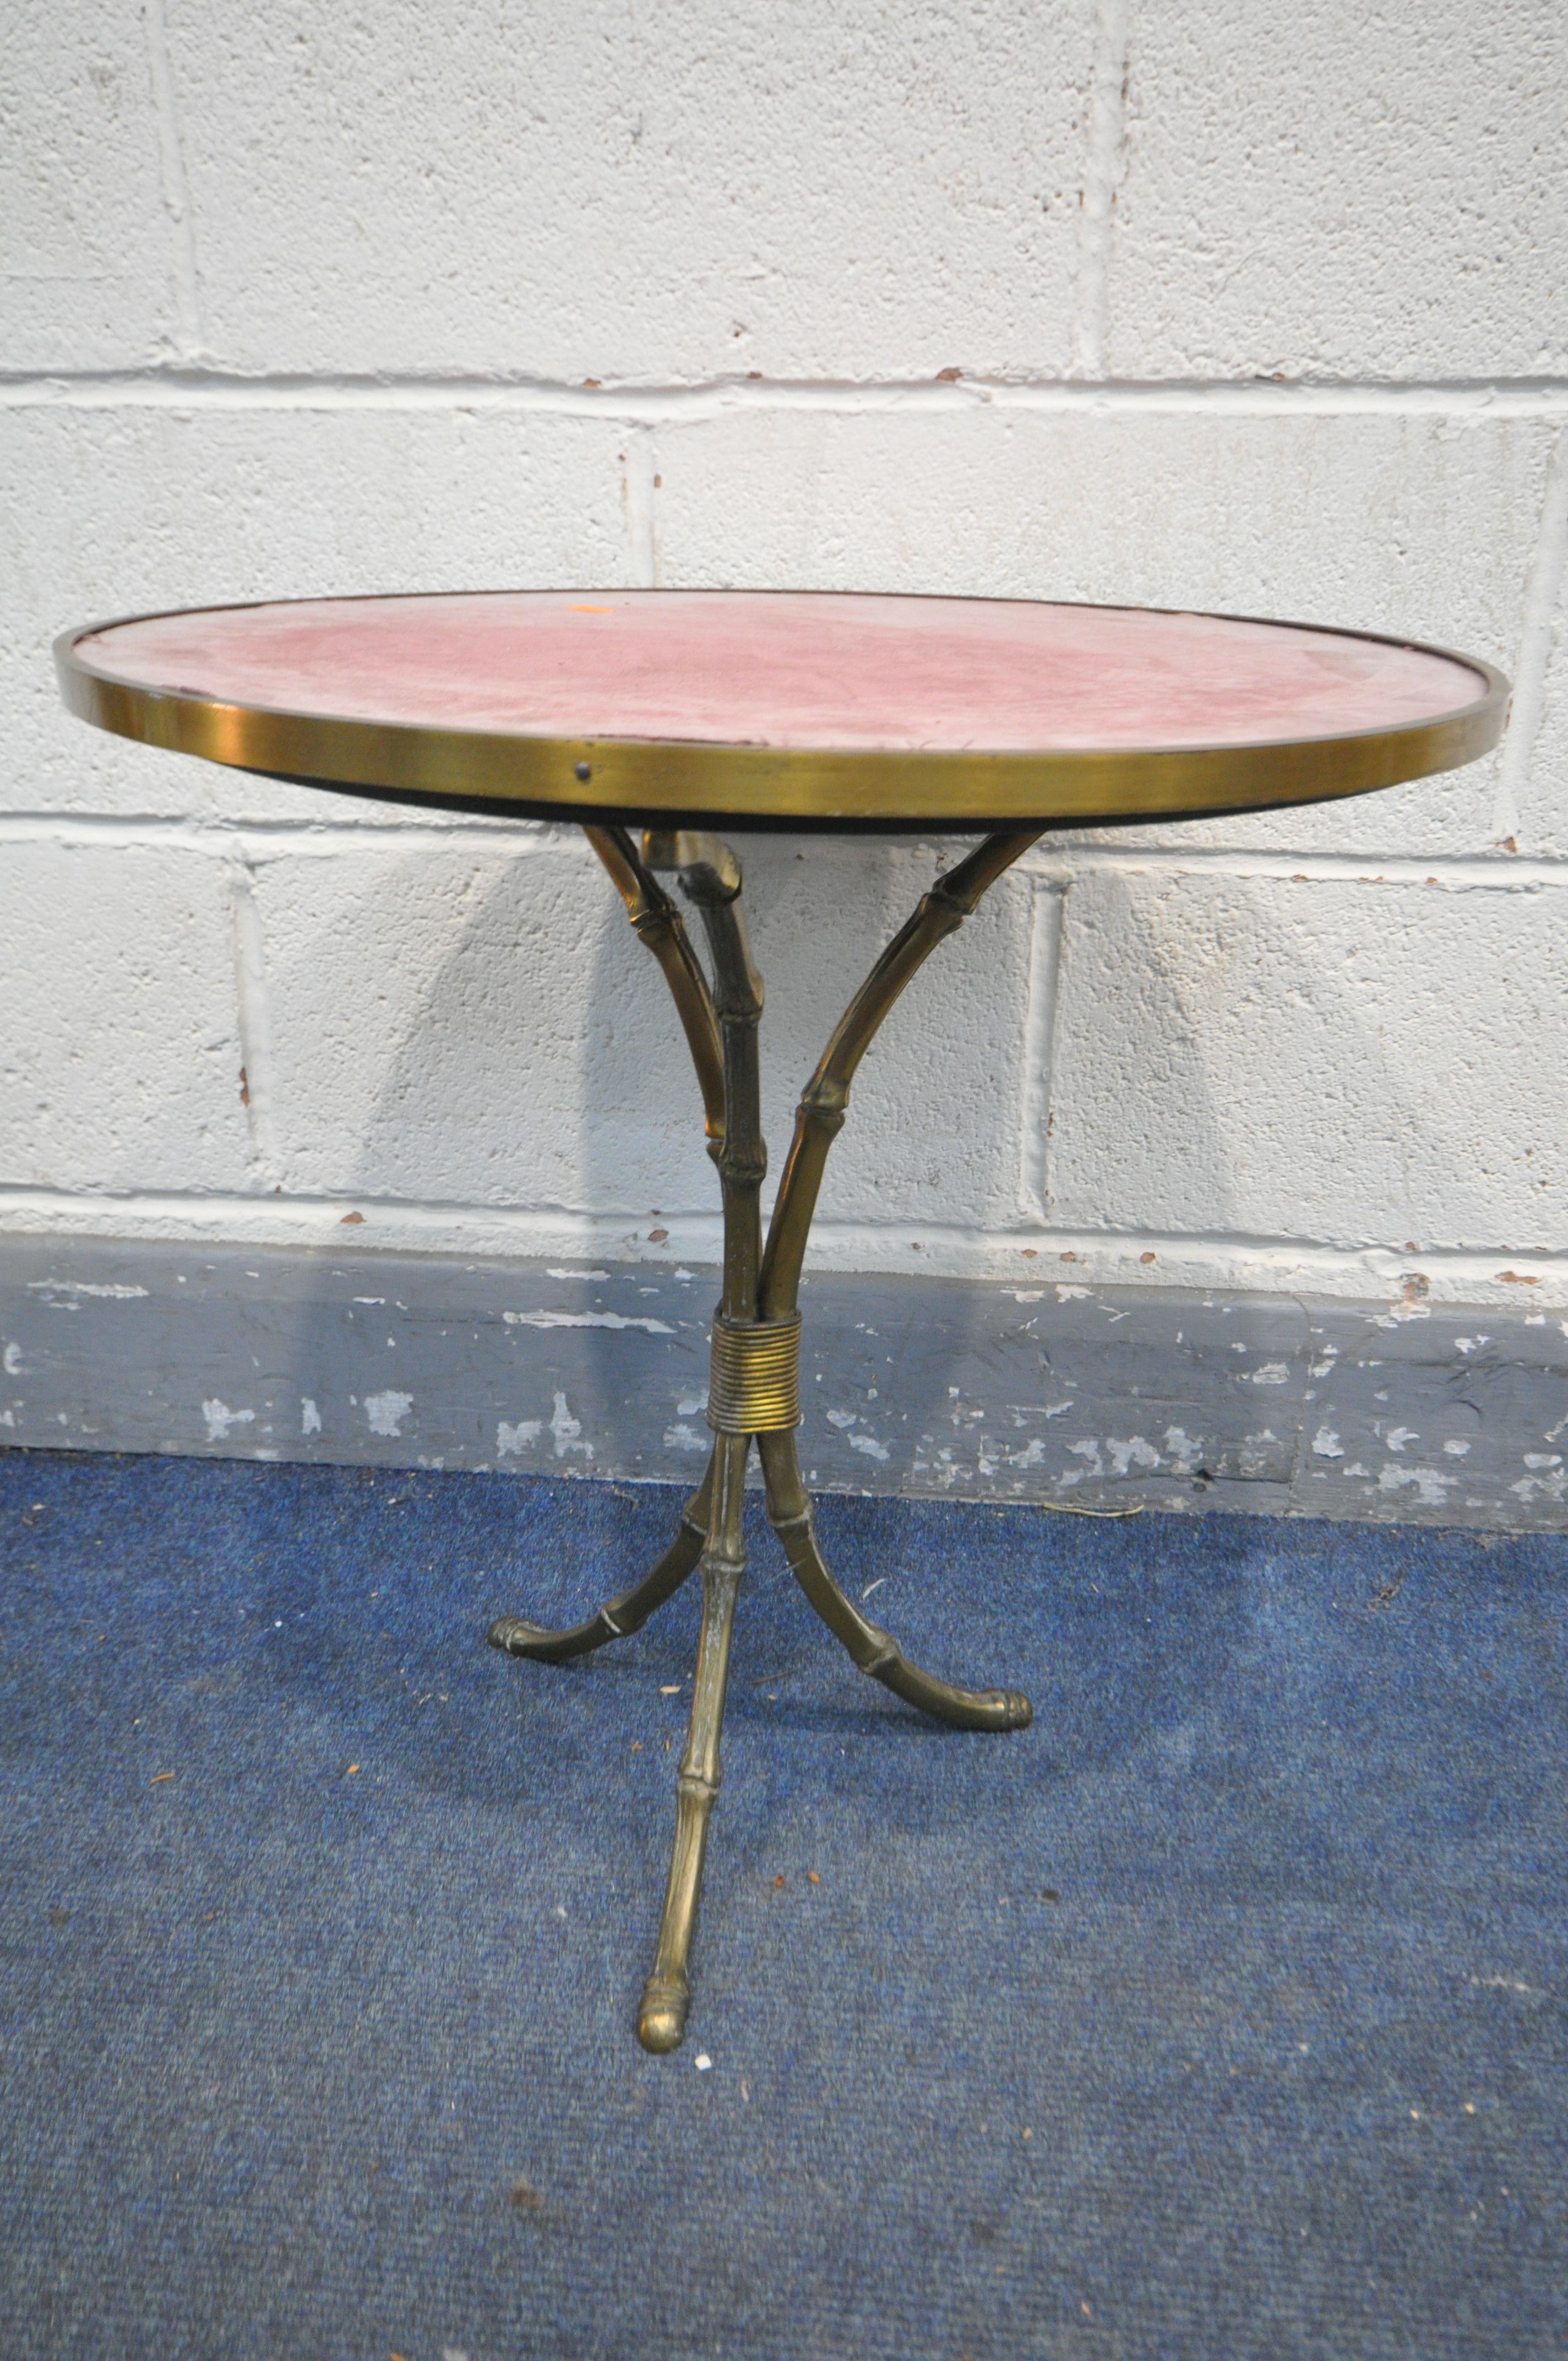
612, 189
85, 231
117, 505
1260, 311
463, 1026
121, 1053
1254, 1057
1355, 192
1414, 521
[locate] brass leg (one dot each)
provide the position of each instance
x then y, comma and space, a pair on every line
618, 1617
662, 2019
874, 1651
818, 1121
754, 1391
711, 878
825, 1101
660, 927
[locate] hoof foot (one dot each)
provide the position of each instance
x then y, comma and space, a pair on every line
662, 2019
513, 1637
1017, 1713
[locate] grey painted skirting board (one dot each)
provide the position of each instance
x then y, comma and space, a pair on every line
1044, 1390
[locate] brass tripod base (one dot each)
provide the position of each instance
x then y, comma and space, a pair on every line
666, 1998
754, 1386
618, 1618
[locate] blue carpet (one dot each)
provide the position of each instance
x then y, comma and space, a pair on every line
1221, 2014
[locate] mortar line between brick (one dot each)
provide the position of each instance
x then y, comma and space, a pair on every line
314, 1217
190, 341
1543, 592
1106, 145
1047, 925
638, 478
189, 388
1485, 872
253, 1018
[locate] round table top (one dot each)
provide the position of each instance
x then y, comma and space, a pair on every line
794, 709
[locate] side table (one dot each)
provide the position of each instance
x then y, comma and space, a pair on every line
683, 714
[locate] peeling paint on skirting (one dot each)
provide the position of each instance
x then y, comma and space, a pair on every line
979, 1389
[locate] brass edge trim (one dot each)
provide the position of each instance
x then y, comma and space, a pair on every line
780, 784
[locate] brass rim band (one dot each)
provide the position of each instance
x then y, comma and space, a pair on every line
754, 1385
750, 784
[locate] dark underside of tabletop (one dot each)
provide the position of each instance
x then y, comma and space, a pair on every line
744, 823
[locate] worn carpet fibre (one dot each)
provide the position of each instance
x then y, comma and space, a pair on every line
1221, 2014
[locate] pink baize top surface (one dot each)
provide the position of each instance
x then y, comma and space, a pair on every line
790, 669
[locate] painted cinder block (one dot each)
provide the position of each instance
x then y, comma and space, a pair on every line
469, 1023
934, 1133
1533, 798
1341, 193
121, 1062
1537, 819
1420, 525
477, 1024
462, 1020
129, 509
828, 190
86, 234
1351, 1062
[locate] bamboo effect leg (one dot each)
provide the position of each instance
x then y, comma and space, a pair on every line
818, 1120
659, 924
711, 878
618, 1617
754, 1391
662, 2018
876, 1652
